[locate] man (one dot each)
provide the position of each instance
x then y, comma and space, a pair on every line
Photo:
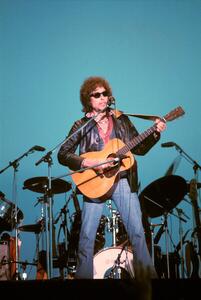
99, 129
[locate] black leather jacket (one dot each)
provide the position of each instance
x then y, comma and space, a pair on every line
88, 140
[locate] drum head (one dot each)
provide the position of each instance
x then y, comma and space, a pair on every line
113, 263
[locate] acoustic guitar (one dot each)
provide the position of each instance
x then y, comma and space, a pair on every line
94, 184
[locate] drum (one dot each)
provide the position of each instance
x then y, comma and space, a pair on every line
7, 215
113, 263
8, 257
5, 261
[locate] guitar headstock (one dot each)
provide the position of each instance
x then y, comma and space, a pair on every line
174, 114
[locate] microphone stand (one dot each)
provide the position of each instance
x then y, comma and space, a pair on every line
164, 228
195, 164
167, 244
166, 237
49, 205
116, 267
114, 161
15, 164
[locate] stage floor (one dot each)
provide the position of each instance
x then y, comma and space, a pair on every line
159, 289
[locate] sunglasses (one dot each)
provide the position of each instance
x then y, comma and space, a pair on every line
97, 95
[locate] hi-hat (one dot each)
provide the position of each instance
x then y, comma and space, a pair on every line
40, 185
162, 195
36, 228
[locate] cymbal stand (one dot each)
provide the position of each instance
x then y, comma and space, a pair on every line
64, 224
152, 227
14, 192
49, 221
116, 267
64, 252
48, 214
41, 220
112, 223
167, 243
114, 228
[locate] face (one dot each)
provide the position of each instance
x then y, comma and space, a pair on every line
98, 99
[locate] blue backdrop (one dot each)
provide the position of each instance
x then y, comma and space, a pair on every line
148, 50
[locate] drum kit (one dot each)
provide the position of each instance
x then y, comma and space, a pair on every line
9, 222
114, 261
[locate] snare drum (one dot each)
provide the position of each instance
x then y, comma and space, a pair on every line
113, 263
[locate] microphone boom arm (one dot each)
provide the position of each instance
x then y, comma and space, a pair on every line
15, 162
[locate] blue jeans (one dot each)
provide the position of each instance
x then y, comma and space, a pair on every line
128, 206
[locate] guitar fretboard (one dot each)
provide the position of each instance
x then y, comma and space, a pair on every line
136, 141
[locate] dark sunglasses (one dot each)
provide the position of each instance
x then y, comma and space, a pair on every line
97, 95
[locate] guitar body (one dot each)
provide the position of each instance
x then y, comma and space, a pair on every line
98, 185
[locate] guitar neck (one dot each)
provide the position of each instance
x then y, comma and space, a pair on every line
172, 115
136, 141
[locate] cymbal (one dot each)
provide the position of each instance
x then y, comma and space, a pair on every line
162, 195
36, 228
40, 185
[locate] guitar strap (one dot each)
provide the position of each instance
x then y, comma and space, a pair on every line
118, 113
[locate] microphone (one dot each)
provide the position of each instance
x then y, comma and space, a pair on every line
37, 148
168, 144
111, 101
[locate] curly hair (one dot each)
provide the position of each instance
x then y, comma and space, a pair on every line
88, 86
